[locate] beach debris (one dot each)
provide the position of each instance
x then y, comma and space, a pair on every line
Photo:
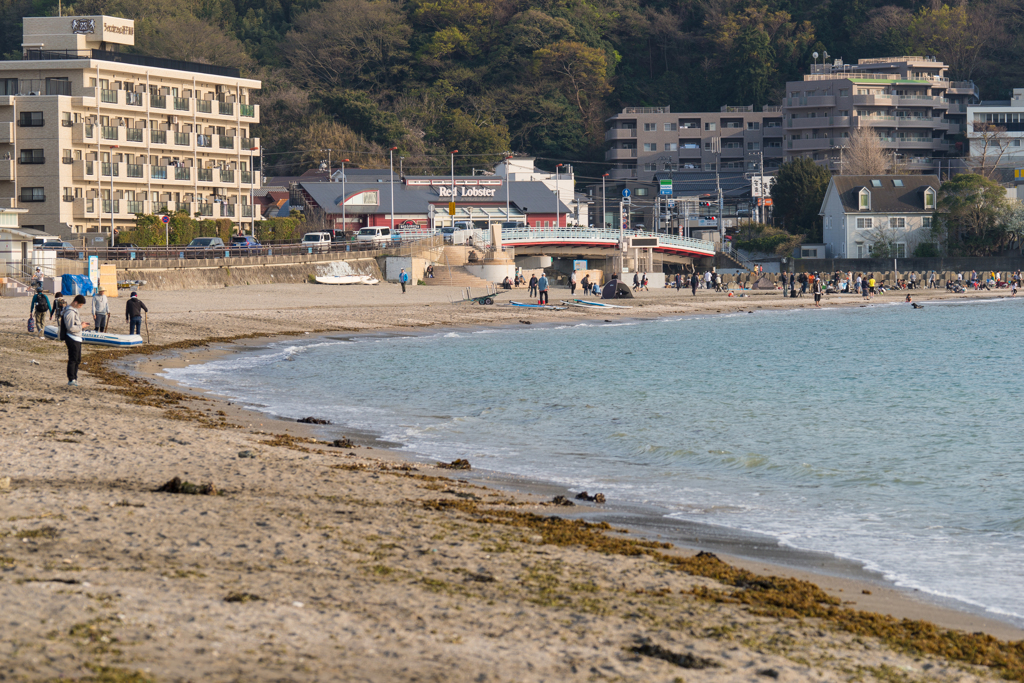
343, 442
458, 464
482, 577
176, 485
562, 500
180, 442
5, 483
124, 503
770, 673
313, 421
34, 362
246, 454
866, 592
242, 597
596, 498
686, 661
526, 322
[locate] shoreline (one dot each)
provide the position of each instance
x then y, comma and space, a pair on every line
867, 589
311, 555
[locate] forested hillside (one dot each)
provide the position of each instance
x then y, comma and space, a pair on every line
531, 76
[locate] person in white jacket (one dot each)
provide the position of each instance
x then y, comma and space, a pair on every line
100, 310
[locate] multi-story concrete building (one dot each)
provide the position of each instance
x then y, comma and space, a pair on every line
90, 136
995, 130
908, 101
645, 141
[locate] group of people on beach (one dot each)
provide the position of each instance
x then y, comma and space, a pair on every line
71, 325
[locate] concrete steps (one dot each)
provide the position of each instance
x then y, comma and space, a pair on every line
11, 287
457, 277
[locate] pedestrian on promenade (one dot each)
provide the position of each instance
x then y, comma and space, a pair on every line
100, 310
71, 333
40, 307
133, 313
403, 279
542, 287
533, 286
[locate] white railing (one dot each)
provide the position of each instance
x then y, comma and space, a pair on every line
611, 237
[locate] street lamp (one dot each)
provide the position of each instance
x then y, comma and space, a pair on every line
110, 167
451, 202
604, 204
392, 153
508, 190
557, 214
344, 198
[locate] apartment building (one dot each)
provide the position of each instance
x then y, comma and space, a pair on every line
995, 129
908, 101
91, 136
644, 141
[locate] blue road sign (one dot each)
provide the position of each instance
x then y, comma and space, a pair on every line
625, 193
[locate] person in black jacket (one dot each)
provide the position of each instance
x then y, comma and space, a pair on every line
40, 307
133, 313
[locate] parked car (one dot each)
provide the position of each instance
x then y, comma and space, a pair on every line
244, 243
63, 249
205, 247
376, 235
319, 241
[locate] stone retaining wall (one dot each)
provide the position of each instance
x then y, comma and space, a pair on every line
198, 277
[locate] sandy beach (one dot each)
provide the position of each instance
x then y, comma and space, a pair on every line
321, 561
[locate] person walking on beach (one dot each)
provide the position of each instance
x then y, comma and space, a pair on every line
636, 281
816, 290
40, 307
542, 288
100, 310
71, 333
643, 282
693, 283
572, 283
679, 281
133, 313
403, 279
585, 285
871, 285
533, 286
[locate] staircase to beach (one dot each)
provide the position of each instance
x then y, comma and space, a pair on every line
450, 270
11, 287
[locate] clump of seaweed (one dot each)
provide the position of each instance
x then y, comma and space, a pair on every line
459, 464
176, 485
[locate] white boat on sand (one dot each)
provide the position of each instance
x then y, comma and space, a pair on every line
101, 338
347, 280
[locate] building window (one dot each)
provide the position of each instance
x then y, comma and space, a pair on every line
650, 146
897, 223
671, 147
844, 92
33, 194
650, 167
670, 126
650, 127
753, 146
31, 156
30, 119
710, 167
863, 223
896, 182
710, 126
753, 125
901, 250
926, 222
860, 251
641, 192
929, 198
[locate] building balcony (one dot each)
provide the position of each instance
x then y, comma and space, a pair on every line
83, 170
227, 210
617, 153
246, 210
812, 144
204, 106
813, 101
619, 134
622, 173
227, 176
134, 99
110, 96
249, 144
226, 108
157, 137
6, 132
246, 177
929, 143
158, 102
6, 169
933, 101
689, 152
205, 175
872, 100
158, 172
134, 135
918, 122
817, 122
83, 133
963, 88
84, 208
225, 142
182, 104
204, 141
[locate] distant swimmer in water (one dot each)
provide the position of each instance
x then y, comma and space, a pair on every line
916, 305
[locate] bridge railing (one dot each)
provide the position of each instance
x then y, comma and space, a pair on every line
574, 234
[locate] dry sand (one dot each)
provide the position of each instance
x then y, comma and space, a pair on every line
318, 563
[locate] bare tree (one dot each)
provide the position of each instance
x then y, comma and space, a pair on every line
864, 154
989, 143
884, 237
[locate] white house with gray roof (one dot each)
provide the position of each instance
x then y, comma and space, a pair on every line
859, 211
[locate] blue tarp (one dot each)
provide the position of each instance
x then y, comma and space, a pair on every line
70, 285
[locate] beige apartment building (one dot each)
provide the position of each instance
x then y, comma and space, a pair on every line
90, 136
908, 101
644, 141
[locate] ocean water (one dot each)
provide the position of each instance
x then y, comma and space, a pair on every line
881, 434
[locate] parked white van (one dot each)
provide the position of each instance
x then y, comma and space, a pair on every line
376, 235
320, 241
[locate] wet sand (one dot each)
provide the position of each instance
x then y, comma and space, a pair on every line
352, 563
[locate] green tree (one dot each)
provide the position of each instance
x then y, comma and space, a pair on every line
754, 68
970, 215
951, 33
797, 195
582, 76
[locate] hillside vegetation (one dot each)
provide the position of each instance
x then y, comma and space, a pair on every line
530, 76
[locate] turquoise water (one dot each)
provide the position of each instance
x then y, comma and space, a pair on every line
882, 434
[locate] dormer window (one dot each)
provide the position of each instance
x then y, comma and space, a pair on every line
864, 201
929, 198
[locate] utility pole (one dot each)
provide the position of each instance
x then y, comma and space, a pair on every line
604, 204
344, 198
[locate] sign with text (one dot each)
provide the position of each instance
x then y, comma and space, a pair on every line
464, 191
666, 186
761, 186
